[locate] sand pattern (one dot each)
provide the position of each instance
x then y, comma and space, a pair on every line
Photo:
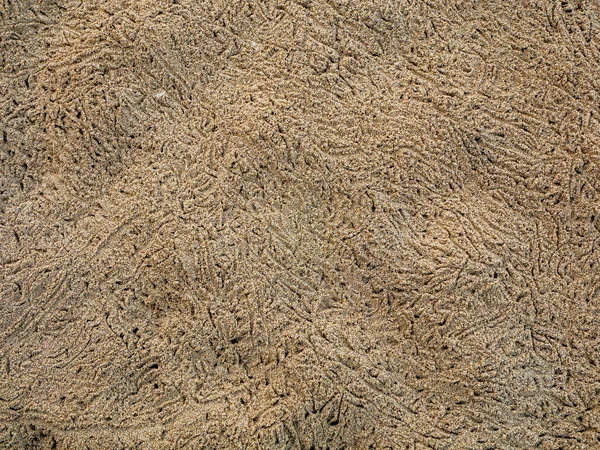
317, 224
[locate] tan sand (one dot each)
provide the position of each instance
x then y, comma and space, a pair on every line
321, 224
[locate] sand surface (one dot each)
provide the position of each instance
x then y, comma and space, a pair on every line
317, 224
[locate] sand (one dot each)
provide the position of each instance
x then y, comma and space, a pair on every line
318, 224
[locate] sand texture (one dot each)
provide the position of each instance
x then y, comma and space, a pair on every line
316, 224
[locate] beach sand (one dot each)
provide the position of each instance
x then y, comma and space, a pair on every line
317, 224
